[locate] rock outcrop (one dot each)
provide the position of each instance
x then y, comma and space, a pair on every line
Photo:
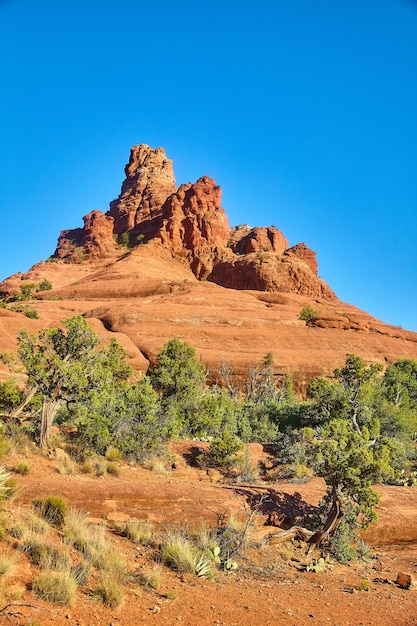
148, 183
94, 241
192, 225
195, 227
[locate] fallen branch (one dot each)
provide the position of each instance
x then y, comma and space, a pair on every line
291, 533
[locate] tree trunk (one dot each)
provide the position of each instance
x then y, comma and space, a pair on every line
332, 522
49, 411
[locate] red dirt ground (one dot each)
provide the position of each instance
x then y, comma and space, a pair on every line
270, 587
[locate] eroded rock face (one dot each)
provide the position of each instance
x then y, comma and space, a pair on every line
270, 272
149, 181
195, 226
95, 240
191, 224
305, 254
245, 240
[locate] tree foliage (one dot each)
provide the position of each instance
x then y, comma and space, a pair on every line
64, 365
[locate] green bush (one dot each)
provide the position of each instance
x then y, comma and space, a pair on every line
307, 313
222, 451
31, 314
44, 285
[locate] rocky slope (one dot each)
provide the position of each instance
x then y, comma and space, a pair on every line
164, 262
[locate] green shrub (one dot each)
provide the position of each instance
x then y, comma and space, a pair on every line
44, 285
113, 454
27, 290
31, 313
223, 449
307, 313
53, 508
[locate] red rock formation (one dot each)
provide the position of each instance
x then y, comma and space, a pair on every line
307, 255
95, 240
271, 272
192, 225
149, 181
245, 240
195, 226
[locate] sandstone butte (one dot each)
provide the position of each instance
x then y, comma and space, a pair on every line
163, 262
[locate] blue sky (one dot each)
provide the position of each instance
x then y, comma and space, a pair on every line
304, 112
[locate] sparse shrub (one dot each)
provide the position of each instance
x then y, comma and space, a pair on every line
81, 572
31, 313
44, 285
5, 446
53, 508
66, 466
149, 577
112, 468
364, 585
4, 480
37, 524
113, 454
136, 530
26, 290
155, 464
109, 591
100, 467
231, 536
44, 555
86, 467
55, 587
22, 468
123, 239
245, 470
11, 488
307, 313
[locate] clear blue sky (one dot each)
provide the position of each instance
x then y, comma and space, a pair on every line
304, 112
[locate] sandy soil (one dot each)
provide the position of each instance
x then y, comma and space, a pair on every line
271, 585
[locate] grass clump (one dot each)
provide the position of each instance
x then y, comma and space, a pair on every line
109, 590
22, 468
149, 578
112, 468
180, 554
44, 555
90, 541
53, 509
113, 454
137, 531
55, 587
7, 564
